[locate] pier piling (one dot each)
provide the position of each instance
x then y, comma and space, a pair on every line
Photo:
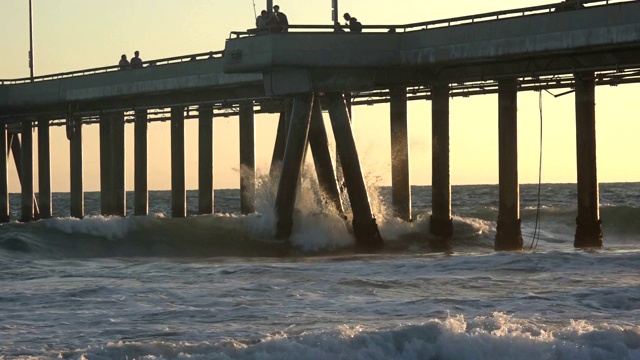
44, 169
106, 177
319, 143
509, 234
205, 159
76, 182
589, 225
292, 163
4, 175
178, 177
27, 172
440, 223
247, 160
364, 223
141, 172
401, 186
118, 163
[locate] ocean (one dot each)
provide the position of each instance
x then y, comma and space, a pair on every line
220, 287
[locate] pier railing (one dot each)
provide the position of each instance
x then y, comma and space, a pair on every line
104, 69
455, 21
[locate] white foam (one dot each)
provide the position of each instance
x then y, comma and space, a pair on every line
498, 336
110, 227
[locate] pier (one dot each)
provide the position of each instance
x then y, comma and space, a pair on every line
311, 70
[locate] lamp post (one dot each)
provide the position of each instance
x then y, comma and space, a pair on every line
334, 11
30, 41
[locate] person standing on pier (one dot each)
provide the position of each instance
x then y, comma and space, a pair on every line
124, 63
136, 62
261, 21
282, 18
354, 25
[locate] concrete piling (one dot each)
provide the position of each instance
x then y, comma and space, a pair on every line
292, 163
509, 234
247, 160
401, 186
205, 159
178, 177
588, 223
44, 169
141, 172
76, 182
440, 223
106, 177
4, 175
26, 165
364, 223
118, 168
319, 143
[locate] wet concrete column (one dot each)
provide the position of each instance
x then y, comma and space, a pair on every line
141, 171
4, 175
281, 137
589, 225
26, 164
440, 223
364, 223
44, 169
178, 178
401, 186
75, 154
247, 160
319, 143
118, 164
106, 178
508, 234
292, 164
205, 159
16, 149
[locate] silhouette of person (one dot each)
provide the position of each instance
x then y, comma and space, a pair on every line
124, 63
354, 25
261, 20
282, 18
568, 5
273, 24
136, 62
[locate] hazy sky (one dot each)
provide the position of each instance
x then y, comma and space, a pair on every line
78, 34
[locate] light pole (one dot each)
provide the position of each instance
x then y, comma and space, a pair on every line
30, 41
334, 11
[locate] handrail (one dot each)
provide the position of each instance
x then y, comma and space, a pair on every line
454, 21
104, 69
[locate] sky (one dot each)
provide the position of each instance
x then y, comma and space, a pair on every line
79, 34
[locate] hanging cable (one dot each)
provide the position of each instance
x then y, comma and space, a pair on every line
536, 229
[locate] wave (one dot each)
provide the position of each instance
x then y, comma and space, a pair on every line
498, 336
315, 232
